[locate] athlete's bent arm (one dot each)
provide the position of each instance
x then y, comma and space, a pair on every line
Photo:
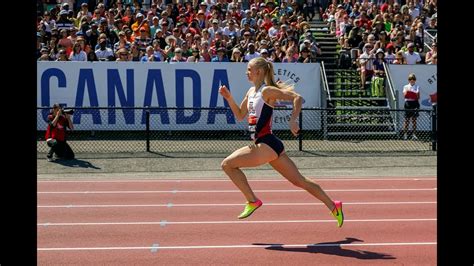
239, 112
271, 94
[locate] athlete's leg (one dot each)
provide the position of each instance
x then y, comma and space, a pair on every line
249, 156
287, 168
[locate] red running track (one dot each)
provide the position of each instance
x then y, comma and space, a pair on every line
393, 226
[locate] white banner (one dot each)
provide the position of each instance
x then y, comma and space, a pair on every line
426, 78
134, 84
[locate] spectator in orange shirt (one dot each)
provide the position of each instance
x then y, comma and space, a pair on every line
141, 22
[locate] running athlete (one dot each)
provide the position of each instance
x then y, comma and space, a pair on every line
267, 148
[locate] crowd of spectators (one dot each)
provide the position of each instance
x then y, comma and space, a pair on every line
397, 28
229, 30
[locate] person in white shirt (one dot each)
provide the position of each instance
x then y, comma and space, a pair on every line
411, 93
77, 53
366, 61
411, 57
104, 53
251, 54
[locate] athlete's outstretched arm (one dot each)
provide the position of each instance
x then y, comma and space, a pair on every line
239, 112
271, 94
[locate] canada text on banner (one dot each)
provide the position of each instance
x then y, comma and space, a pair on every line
133, 84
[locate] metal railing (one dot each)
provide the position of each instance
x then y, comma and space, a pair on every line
392, 94
325, 86
197, 131
326, 97
428, 40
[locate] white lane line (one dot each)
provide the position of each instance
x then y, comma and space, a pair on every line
227, 180
229, 204
230, 191
243, 246
235, 222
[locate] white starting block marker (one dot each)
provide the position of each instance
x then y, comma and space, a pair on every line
163, 223
154, 248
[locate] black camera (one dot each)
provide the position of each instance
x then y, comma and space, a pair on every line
51, 142
68, 111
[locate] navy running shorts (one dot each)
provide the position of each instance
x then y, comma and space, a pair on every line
271, 140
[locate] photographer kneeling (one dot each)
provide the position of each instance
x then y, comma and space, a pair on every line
58, 120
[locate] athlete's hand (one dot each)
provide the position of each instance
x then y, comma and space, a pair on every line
225, 92
294, 127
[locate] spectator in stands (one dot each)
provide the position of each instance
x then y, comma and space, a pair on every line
399, 41
221, 55
65, 41
123, 55
44, 55
379, 74
122, 42
77, 53
305, 56
264, 53
142, 41
434, 60
92, 35
204, 51
195, 56
63, 23
84, 12
354, 37
135, 53
178, 56
139, 24
158, 52
433, 25
62, 56
389, 55
366, 61
411, 93
309, 8
201, 19
155, 26
413, 10
251, 54
47, 23
149, 55
411, 56
214, 29
399, 59
104, 53
429, 55
91, 56
166, 20
365, 37
237, 56
55, 136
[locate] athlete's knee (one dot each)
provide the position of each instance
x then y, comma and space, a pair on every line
227, 164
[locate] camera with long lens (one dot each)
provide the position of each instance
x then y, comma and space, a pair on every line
68, 111
51, 142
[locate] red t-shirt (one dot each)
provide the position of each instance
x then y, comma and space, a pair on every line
59, 131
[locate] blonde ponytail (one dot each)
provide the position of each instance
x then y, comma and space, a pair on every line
267, 66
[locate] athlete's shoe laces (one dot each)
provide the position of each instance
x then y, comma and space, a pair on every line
250, 207
337, 213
